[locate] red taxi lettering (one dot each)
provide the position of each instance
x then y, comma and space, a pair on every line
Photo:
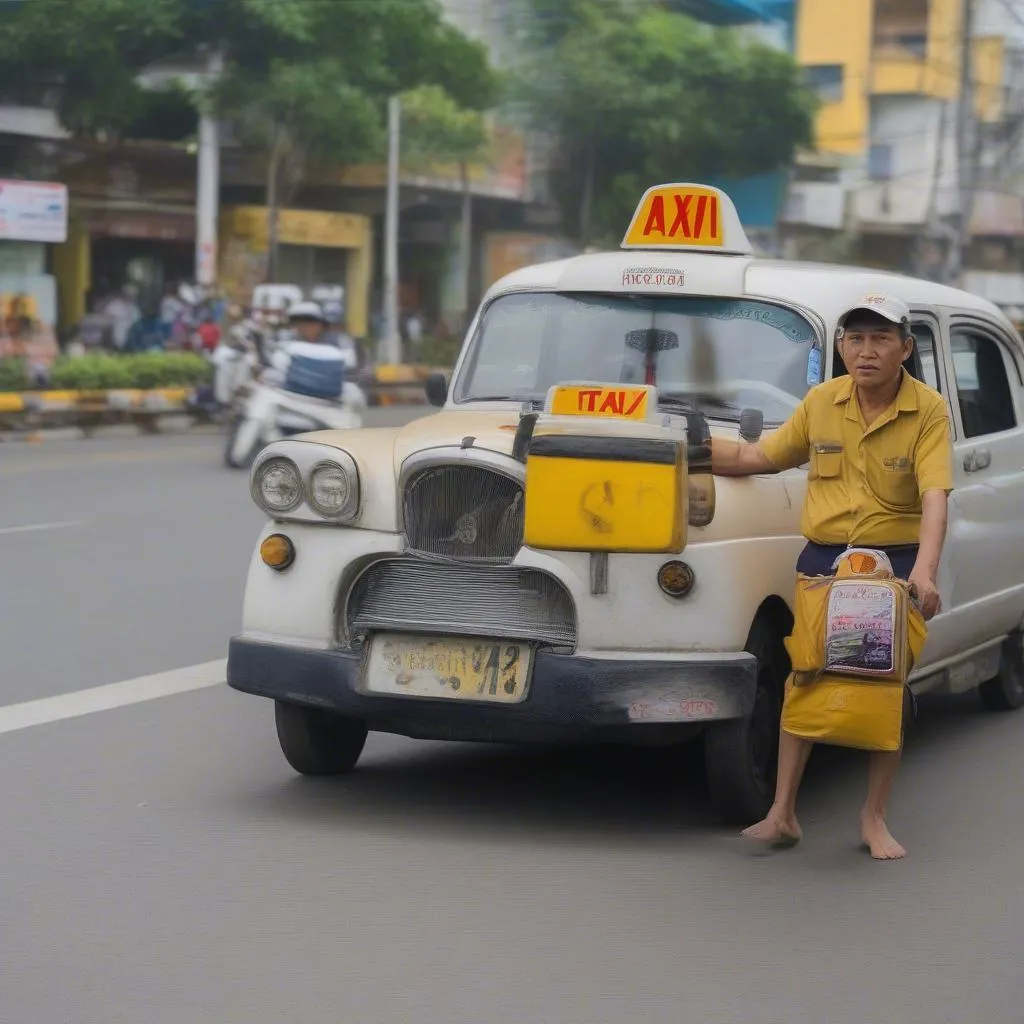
656, 218
636, 403
682, 221
612, 401
675, 217
630, 403
682, 225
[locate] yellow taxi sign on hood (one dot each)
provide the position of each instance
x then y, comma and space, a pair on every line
621, 401
684, 216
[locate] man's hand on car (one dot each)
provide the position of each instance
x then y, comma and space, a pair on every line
925, 592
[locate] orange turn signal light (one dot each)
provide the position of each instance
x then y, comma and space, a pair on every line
277, 551
676, 579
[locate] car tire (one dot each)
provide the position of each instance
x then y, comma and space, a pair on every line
1006, 691
318, 742
741, 755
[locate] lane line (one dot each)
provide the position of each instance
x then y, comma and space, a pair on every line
26, 467
114, 695
37, 527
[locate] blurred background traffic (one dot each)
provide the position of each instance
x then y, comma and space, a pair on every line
163, 163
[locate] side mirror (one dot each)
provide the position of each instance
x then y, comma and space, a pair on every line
436, 387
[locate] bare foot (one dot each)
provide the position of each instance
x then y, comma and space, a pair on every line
878, 839
781, 830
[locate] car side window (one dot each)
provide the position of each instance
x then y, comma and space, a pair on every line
982, 384
926, 369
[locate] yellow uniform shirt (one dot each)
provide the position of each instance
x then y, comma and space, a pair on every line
864, 484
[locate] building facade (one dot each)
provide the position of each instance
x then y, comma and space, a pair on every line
884, 183
760, 199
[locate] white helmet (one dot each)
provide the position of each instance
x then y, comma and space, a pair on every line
307, 311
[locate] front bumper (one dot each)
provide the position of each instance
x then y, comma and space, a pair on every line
569, 697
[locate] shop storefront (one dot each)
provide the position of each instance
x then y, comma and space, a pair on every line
33, 218
316, 249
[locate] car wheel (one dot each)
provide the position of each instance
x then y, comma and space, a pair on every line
1006, 691
317, 742
741, 755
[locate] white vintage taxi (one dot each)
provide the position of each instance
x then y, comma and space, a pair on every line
547, 558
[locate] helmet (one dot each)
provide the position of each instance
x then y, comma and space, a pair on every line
307, 311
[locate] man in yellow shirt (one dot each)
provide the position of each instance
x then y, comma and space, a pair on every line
880, 472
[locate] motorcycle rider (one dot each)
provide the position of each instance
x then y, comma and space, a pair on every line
310, 364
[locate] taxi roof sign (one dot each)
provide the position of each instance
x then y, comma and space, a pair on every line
683, 217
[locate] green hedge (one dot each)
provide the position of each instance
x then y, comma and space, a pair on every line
439, 351
13, 374
108, 372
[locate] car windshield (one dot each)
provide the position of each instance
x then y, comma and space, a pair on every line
717, 354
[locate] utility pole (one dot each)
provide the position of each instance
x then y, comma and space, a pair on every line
391, 342
208, 183
924, 263
966, 163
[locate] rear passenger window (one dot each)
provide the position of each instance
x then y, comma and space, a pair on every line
982, 384
926, 369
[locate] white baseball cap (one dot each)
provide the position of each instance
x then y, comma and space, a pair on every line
306, 311
887, 306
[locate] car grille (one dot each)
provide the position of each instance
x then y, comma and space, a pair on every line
465, 514
407, 595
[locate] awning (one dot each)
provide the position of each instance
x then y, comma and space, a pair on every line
164, 224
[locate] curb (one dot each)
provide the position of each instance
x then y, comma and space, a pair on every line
33, 415
51, 415
155, 399
400, 383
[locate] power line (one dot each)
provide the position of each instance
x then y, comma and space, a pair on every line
1013, 12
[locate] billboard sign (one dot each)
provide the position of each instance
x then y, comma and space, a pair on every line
33, 211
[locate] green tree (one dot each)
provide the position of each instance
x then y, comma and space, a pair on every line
85, 56
323, 96
637, 94
305, 80
294, 112
437, 130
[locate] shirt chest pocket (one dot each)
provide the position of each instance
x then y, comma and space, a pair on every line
826, 460
893, 480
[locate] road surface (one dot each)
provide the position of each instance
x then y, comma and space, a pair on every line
160, 863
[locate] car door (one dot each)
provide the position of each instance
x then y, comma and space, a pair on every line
928, 365
984, 582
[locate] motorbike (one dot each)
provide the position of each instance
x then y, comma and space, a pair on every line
236, 362
263, 412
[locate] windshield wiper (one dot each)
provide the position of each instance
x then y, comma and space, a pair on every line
701, 403
534, 403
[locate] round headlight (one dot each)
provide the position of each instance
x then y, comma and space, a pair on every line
331, 490
278, 486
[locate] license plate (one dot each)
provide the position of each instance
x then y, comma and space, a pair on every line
449, 668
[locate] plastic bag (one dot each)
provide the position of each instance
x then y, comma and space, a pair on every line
855, 640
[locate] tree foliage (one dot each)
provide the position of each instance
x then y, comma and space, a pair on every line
435, 128
301, 79
637, 94
86, 54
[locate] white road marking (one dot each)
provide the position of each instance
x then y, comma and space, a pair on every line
114, 695
37, 527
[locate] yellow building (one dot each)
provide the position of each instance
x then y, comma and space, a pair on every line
316, 247
856, 51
